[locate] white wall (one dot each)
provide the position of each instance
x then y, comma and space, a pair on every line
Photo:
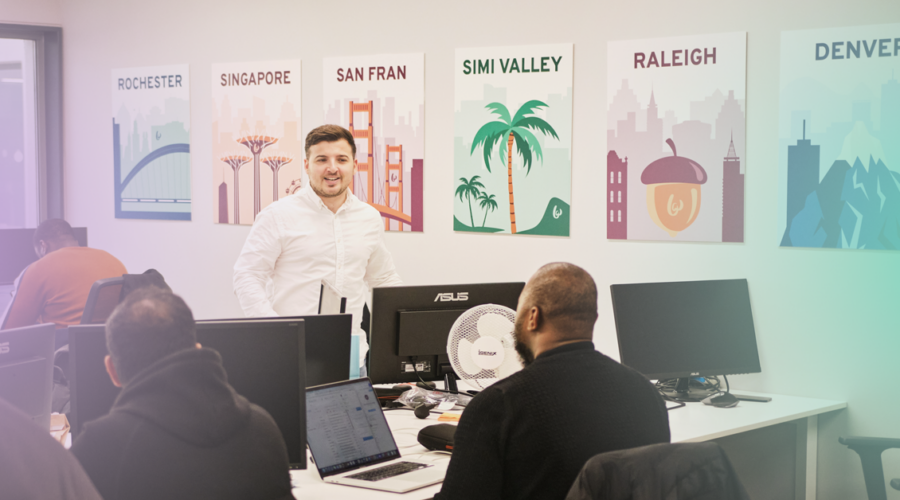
43, 12
825, 319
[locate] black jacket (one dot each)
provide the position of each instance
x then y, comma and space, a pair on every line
684, 471
34, 466
527, 436
179, 431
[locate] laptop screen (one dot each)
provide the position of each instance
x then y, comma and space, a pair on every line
345, 427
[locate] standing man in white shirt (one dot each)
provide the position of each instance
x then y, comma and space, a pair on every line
323, 231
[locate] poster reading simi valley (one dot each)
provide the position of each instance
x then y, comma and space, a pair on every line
839, 138
381, 100
257, 151
675, 136
512, 140
152, 142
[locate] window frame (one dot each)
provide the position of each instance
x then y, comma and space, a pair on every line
48, 104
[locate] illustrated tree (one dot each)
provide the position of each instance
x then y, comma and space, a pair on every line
236, 162
487, 202
470, 189
256, 144
275, 163
514, 130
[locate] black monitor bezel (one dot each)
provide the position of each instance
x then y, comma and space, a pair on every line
700, 371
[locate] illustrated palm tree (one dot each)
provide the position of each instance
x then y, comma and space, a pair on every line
470, 189
514, 130
487, 202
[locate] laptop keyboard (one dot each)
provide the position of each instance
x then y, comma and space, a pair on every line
387, 471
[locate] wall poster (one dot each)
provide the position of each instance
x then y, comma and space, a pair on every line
675, 137
512, 144
152, 142
381, 100
257, 151
839, 138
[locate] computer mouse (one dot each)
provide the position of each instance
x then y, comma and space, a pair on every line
721, 400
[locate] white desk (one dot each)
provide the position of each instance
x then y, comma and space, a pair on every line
694, 423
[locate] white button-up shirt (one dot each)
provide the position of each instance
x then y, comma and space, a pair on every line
296, 242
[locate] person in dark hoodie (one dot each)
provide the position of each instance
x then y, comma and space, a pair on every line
177, 430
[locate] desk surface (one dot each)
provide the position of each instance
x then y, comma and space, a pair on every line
695, 422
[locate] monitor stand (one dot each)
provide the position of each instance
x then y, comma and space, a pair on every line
449, 378
685, 393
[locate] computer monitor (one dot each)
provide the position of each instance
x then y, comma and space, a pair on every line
264, 361
686, 329
410, 324
26, 370
17, 249
328, 340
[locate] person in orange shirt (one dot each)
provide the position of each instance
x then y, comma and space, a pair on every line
55, 288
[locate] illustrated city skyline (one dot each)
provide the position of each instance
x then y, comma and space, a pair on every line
854, 201
713, 137
389, 129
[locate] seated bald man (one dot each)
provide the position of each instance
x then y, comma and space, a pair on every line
528, 435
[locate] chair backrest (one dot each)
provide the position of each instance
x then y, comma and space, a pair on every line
686, 471
103, 298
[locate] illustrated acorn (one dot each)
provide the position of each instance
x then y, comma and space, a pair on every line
673, 191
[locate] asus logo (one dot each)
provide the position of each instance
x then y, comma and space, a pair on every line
449, 297
4, 348
695, 374
487, 353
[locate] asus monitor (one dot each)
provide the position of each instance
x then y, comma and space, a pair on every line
682, 330
410, 326
26, 370
264, 362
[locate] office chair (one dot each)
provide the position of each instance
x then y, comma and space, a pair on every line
686, 471
869, 450
102, 299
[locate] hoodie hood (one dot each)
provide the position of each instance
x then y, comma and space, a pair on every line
187, 394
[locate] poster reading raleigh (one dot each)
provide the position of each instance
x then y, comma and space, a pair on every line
675, 136
512, 144
256, 145
381, 100
152, 142
839, 138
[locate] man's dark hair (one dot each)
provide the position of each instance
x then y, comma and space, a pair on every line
147, 326
53, 230
329, 133
567, 297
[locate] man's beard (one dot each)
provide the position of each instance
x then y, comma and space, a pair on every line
323, 194
526, 355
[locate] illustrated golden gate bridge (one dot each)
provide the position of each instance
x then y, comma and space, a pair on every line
389, 207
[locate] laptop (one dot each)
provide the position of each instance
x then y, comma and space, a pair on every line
351, 443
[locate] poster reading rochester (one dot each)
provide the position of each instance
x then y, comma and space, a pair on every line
151, 142
381, 100
839, 138
257, 151
675, 137
513, 139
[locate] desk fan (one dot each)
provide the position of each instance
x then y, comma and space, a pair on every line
481, 345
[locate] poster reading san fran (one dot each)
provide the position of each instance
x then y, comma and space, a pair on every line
839, 138
381, 100
257, 151
512, 140
152, 142
675, 137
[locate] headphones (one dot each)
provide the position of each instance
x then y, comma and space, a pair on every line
423, 410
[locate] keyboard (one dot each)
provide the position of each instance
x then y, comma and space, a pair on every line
387, 471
